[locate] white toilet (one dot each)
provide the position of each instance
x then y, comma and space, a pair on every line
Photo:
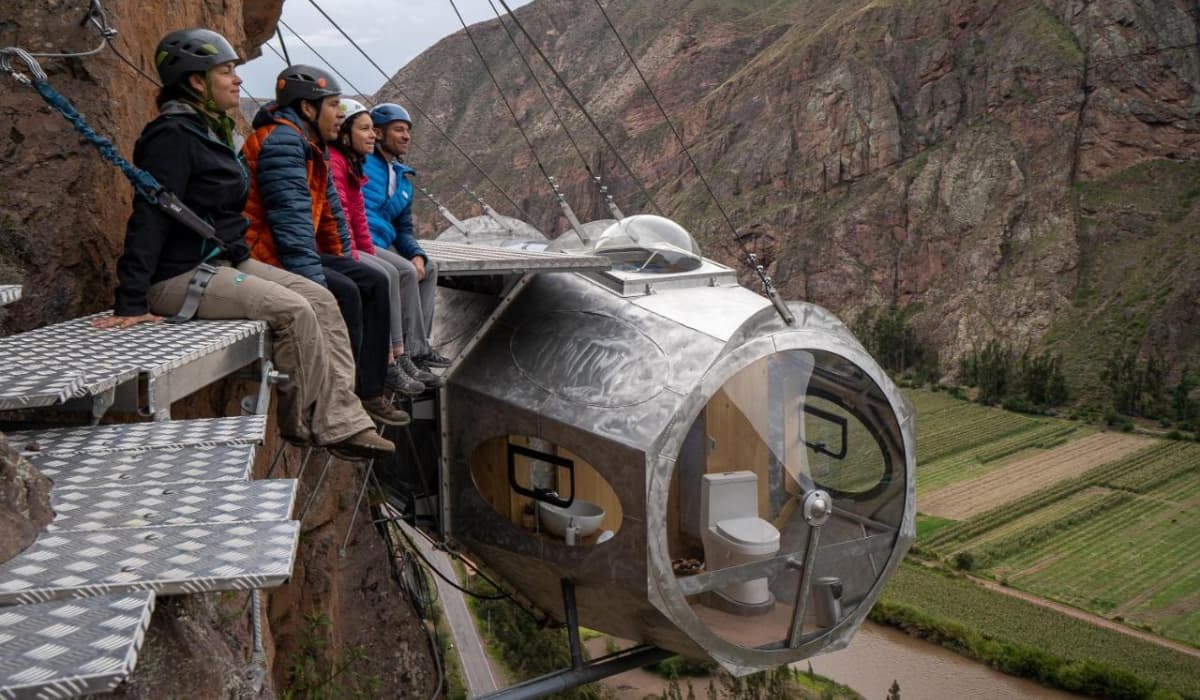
733, 533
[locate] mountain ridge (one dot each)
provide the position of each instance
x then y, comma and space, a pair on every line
953, 155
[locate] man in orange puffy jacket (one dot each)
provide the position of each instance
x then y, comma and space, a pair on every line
297, 223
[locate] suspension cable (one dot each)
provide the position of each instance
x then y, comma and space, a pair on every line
329, 65
751, 258
422, 112
503, 98
287, 57
579, 104
277, 54
364, 96
512, 39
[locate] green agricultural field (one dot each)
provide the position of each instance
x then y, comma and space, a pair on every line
1005, 619
958, 440
1121, 540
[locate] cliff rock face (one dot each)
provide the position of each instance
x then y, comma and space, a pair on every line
1022, 170
24, 502
63, 209
341, 626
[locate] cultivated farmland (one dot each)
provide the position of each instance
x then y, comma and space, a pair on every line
1120, 539
1005, 620
1022, 477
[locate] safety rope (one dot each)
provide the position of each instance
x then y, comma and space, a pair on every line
751, 259
583, 110
417, 108
142, 181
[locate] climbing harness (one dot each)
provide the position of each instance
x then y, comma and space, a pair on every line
143, 182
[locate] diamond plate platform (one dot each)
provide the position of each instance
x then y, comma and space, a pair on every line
71, 648
140, 437
9, 293
161, 466
166, 560
108, 358
22, 387
172, 504
460, 259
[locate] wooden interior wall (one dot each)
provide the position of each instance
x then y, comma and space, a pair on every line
737, 425
489, 469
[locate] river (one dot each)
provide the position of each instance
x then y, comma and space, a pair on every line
877, 656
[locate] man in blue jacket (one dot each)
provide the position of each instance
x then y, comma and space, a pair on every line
388, 196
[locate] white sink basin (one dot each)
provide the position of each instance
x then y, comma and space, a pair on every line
587, 517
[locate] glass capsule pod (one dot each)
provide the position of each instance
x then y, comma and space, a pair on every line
711, 479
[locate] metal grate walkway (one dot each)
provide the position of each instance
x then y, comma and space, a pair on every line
139, 437
72, 360
460, 259
9, 293
141, 509
69, 648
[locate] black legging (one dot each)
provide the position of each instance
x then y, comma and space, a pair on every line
362, 295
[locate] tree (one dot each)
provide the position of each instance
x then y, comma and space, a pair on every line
1123, 376
894, 691
1183, 407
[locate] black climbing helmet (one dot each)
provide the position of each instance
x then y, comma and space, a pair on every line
188, 51
304, 83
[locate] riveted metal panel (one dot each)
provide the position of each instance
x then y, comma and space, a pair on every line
9, 293
141, 505
166, 560
140, 437
459, 259
66, 649
161, 466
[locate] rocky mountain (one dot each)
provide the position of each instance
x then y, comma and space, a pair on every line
1017, 169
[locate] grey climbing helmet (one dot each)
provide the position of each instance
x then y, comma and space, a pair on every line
304, 83
187, 51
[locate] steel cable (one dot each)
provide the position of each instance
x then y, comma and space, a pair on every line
417, 108
583, 110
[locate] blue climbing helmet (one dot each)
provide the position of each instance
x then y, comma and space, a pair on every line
388, 112
187, 51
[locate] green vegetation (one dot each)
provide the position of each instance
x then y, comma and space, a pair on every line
947, 426
887, 334
1024, 639
1027, 382
1122, 539
313, 675
780, 682
526, 648
1137, 257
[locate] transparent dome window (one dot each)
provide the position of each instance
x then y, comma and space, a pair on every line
795, 466
649, 244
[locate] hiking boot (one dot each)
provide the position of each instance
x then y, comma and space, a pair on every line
381, 410
365, 444
433, 359
401, 381
429, 379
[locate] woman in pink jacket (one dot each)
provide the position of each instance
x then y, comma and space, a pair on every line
356, 139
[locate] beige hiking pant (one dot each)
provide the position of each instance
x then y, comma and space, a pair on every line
311, 345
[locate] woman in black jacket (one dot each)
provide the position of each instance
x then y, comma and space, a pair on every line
189, 148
